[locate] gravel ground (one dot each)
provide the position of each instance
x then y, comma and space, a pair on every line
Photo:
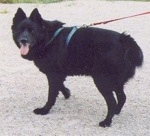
23, 88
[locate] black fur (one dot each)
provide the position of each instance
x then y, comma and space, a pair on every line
107, 56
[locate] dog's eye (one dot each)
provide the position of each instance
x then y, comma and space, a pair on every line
18, 32
31, 30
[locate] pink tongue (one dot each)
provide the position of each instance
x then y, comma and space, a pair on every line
24, 49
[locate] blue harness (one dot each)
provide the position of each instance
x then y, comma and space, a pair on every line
70, 35
74, 29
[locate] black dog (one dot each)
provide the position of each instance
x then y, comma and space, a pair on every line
109, 57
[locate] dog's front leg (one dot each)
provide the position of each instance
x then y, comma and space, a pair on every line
55, 82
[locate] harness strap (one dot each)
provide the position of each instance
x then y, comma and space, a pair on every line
70, 35
74, 29
54, 36
57, 32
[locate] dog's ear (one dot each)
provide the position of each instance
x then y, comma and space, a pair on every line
35, 16
19, 16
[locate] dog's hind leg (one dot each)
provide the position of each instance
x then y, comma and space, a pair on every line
104, 85
121, 97
55, 83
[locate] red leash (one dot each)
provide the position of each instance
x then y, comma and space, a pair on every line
108, 21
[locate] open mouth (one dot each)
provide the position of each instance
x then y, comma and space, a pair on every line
24, 48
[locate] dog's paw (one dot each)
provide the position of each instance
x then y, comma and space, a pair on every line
105, 123
67, 94
117, 111
41, 111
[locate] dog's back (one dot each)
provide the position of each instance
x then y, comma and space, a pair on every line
98, 50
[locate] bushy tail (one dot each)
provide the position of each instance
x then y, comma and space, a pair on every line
133, 53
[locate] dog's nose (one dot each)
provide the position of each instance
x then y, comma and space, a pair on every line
23, 40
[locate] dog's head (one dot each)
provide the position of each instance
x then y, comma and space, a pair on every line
27, 32
32, 31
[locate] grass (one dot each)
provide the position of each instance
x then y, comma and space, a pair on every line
30, 1
4, 11
130, 0
45, 1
